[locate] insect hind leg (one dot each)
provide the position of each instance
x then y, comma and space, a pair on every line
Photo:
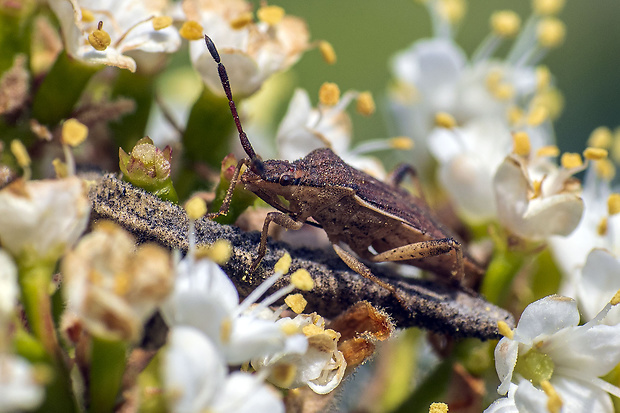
425, 249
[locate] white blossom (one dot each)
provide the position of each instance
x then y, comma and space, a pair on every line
549, 346
43, 217
128, 22
196, 379
19, 389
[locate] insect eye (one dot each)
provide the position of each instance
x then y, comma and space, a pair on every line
286, 179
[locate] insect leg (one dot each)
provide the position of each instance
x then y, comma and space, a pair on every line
229, 192
426, 249
399, 174
365, 272
279, 218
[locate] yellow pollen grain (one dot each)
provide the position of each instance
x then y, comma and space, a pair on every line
226, 330
571, 160
243, 20
99, 39
452, 11
521, 143
445, 120
605, 169
613, 204
505, 23
595, 154
548, 151
296, 302
311, 330
548, 7
365, 104
601, 137
537, 115
327, 52
550, 32
283, 264
196, 208
543, 77
87, 16
438, 408
302, 280
601, 227
271, 15
20, 153
615, 300
403, 143
329, 94
219, 252
191, 30
505, 330
74, 132
161, 22
60, 168
554, 403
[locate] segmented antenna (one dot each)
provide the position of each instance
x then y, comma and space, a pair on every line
245, 142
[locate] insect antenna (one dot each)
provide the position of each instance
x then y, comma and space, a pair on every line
256, 162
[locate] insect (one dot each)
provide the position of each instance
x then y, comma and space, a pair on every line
352, 207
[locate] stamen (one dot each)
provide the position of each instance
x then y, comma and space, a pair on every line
505, 23
161, 22
451, 11
74, 132
548, 7
196, 208
296, 302
87, 16
601, 227
548, 151
219, 252
60, 168
595, 154
505, 330
521, 143
329, 94
543, 77
191, 30
550, 32
327, 51
613, 204
283, 264
241, 21
438, 408
20, 153
571, 160
302, 280
605, 169
554, 404
403, 143
445, 120
99, 39
271, 15
537, 115
601, 137
615, 300
365, 104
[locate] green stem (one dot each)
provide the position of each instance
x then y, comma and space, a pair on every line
108, 359
61, 89
34, 280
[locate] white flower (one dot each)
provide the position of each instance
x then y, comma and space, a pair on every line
600, 278
241, 334
304, 129
468, 159
536, 208
112, 286
43, 217
9, 291
196, 379
18, 388
319, 364
550, 349
129, 24
251, 53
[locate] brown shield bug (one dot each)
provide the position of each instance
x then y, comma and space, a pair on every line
352, 207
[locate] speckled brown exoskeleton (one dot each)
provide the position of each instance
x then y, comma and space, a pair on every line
353, 208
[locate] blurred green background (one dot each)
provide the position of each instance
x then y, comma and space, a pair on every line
366, 33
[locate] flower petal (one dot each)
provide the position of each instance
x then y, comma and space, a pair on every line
546, 317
